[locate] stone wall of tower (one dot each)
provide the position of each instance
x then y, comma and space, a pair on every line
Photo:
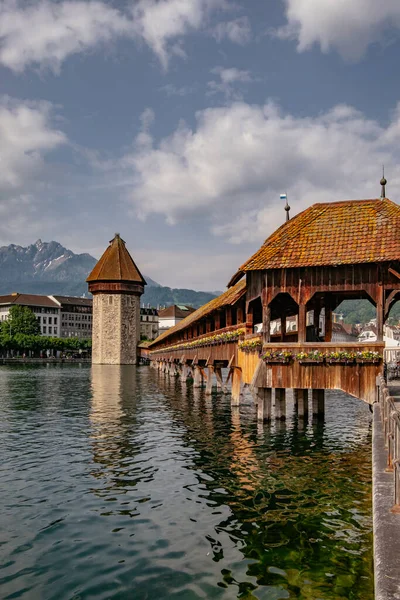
116, 329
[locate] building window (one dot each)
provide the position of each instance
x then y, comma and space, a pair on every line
50, 320
44, 329
55, 320
44, 320
50, 330
110, 300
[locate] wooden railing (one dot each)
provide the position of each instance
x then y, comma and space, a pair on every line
177, 345
391, 429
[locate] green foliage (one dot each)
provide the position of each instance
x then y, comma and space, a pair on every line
362, 311
21, 320
21, 342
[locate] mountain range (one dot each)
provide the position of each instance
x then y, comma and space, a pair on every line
49, 268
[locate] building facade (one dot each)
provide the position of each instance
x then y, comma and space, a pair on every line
76, 316
46, 309
172, 315
117, 285
149, 327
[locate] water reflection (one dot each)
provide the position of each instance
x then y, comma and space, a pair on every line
129, 484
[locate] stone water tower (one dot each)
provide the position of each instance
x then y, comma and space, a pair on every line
116, 284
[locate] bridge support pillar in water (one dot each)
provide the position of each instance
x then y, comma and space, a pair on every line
209, 381
184, 373
221, 387
264, 398
318, 403
197, 376
280, 403
236, 386
302, 403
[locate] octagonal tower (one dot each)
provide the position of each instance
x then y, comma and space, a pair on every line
116, 284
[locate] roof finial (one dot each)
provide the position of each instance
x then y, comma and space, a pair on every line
383, 183
287, 207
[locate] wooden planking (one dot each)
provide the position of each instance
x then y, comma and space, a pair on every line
359, 380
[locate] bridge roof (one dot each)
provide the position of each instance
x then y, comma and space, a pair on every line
334, 233
116, 264
228, 298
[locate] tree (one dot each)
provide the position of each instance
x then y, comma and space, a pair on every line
21, 319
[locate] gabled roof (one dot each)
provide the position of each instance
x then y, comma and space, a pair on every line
73, 301
175, 311
116, 264
228, 298
28, 300
335, 233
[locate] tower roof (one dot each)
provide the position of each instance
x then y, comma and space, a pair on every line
116, 264
335, 233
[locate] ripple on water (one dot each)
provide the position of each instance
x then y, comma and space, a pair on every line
119, 483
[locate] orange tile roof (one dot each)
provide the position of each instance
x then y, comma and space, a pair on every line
116, 264
335, 233
228, 298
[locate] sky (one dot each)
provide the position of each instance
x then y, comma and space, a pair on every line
178, 123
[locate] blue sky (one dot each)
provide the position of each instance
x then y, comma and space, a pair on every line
179, 122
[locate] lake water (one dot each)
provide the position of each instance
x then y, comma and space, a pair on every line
117, 482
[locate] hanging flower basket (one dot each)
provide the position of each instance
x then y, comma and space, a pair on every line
340, 357
254, 345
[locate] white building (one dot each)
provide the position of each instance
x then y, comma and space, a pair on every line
170, 316
46, 310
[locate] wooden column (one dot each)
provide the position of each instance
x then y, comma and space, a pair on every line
301, 325
328, 320
266, 324
264, 396
379, 312
240, 314
197, 377
236, 386
209, 381
318, 403
280, 403
228, 317
208, 325
249, 319
217, 320
220, 383
302, 404
283, 328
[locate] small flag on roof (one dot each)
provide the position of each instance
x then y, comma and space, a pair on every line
283, 197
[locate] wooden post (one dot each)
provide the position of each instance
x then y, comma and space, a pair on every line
302, 403
228, 316
301, 325
220, 382
328, 320
264, 396
197, 377
266, 324
249, 319
283, 328
236, 386
184, 373
280, 403
240, 314
379, 313
209, 381
217, 320
318, 403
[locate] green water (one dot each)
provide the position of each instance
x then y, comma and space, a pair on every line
120, 483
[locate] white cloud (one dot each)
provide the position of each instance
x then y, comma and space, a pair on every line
227, 79
26, 134
237, 160
237, 31
346, 26
45, 33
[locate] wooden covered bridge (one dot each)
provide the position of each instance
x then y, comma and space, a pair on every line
273, 326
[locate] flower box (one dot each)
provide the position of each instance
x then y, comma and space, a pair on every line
340, 361
310, 361
374, 361
284, 361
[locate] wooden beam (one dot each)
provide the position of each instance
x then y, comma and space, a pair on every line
394, 272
